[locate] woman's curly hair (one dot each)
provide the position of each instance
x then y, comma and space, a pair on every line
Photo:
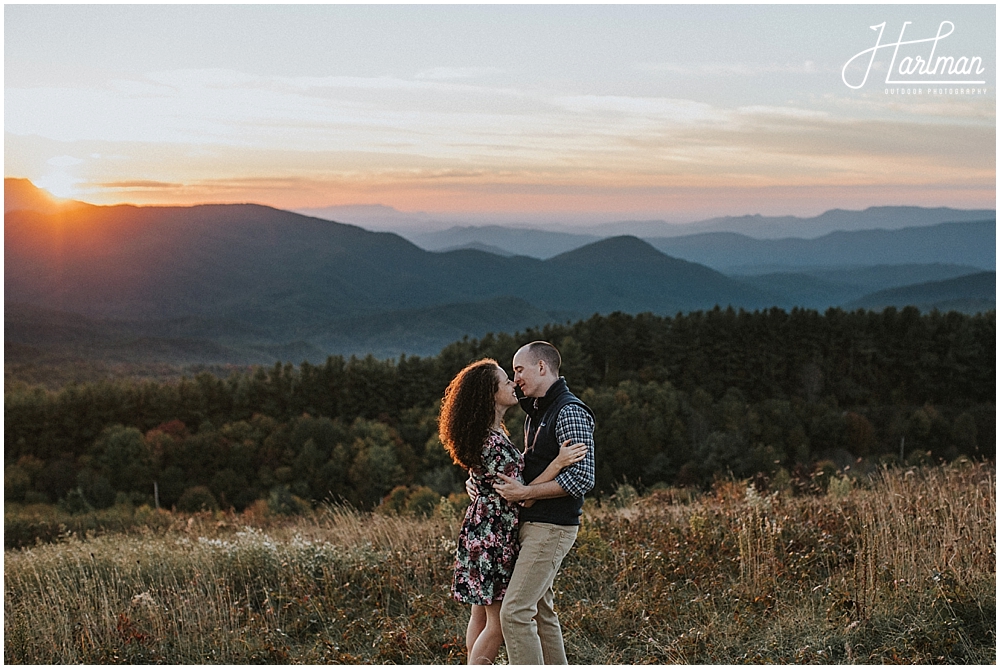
468, 412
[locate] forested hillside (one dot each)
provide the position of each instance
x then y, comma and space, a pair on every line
248, 284
967, 242
284, 276
678, 400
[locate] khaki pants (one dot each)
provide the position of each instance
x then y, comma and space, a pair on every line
530, 626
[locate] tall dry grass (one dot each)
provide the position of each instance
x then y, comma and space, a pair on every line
209, 592
900, 569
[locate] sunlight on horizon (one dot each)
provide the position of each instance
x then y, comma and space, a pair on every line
676, 122
61, 186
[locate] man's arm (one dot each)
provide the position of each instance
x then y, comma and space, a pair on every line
577, 425
513, 490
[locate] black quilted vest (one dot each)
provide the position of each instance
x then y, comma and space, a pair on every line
541, 448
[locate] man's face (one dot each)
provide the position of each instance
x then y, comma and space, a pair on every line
530, 374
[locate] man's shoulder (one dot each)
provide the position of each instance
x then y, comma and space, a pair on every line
575, 410
575, 404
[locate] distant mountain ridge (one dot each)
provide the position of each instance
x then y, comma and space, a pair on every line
780, 227
926, 240
966, 242
975, 292
242, 282
478, 246
424, 230
542, 244
819, 288
21, 194
277, 277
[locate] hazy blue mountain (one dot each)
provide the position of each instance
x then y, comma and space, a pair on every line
777, 227
32, 334
963, 243
819, 288
479, 246
276, 269
793, 289
248, 262
426, 331
970, 294
747, 253
413, 225
636, 277
230, 281
540, 244
876, 277
377, 217
242, 283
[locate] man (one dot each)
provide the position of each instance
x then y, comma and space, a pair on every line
548, 528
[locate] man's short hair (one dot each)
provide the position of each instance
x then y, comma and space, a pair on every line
543, 350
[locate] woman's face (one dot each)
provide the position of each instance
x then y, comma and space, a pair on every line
505, 396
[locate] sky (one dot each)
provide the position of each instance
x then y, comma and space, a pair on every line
506, 112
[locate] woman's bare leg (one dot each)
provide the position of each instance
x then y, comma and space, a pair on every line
487, 645
477, 621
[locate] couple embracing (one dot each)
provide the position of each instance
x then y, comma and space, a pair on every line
526, 507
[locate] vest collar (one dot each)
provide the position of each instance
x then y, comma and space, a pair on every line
554, 391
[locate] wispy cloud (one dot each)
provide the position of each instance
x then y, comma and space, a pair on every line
235, 133
732, 69
448, 73
659, 108
782, 112
141, 185
64, 161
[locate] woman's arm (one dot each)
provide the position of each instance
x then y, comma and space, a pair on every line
568, 454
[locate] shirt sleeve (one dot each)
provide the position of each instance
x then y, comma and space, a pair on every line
576, 424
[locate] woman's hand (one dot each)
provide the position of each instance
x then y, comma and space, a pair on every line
570, 454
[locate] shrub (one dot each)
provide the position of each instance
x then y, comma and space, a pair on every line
197, 498
839, 487
625, 495
16, 482
823, 472
418, 501
282, 502
75, 502
454, 505
422, 502
395, 501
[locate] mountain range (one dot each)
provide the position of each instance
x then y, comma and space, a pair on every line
431, 231
957, 239
971, 243
780, 227
249, 283
971, 293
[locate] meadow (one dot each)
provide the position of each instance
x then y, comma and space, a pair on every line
897, 567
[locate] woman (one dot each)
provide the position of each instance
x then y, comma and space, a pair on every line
472, 430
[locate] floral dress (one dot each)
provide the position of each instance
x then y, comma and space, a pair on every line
487, 542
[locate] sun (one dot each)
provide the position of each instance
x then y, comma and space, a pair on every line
60, 185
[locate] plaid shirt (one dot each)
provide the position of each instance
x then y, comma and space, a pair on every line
575, 424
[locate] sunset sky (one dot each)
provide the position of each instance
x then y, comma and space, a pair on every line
505, 113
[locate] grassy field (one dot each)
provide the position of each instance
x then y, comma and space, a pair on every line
899, 569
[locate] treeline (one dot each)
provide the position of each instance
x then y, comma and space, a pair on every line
678, 401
